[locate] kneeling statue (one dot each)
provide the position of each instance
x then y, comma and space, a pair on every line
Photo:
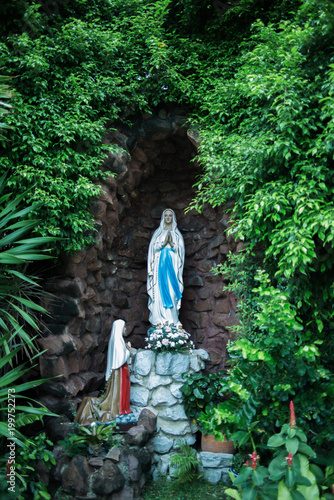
116, 399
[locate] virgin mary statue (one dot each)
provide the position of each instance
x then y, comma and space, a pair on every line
164, 269
116, 400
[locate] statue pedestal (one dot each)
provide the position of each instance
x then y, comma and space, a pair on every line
155, 384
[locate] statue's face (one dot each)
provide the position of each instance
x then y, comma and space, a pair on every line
168, 217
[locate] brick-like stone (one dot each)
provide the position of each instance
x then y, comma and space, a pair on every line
143, 363
175, 412
171, 364
215, 460
162, 397
139, 396
162, 444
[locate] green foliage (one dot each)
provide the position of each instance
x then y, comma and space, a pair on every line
273, 361
19, 293
288, 475
94, 436
265, 146
11, 386
5, 108
201, 391
81, 66
76, 74
28, 484
186, 463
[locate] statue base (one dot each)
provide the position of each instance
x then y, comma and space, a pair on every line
156, 380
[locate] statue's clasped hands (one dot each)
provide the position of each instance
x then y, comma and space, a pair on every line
169, 240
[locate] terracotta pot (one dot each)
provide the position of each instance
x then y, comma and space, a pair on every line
208, 443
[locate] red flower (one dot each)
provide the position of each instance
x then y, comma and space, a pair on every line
292, 416
254, 458
246, 464
289, 459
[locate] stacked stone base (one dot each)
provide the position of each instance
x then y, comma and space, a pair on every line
215, 466
155, 384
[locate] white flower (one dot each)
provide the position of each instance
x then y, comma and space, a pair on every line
158, 343
165, 341
172, 344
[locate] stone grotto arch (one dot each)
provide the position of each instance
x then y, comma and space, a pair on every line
108, 280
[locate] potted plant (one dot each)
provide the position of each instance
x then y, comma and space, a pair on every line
210, 439
201, 395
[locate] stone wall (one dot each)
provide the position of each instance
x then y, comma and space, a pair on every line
156, 380
108, 280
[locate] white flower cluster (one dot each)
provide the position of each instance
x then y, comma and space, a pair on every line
168, 337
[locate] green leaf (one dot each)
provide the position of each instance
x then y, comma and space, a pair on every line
233, 494
243, 476
289, 478
283, 492
292, 444
250, 492
306, 449
296, 495
276, 440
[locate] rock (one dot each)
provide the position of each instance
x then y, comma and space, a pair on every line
174, 428
148, 419
134, 468
127, 493
194, 279
223, 306
196, 363
171, 364
64, 307
114, 454
176, 412
162, 444
143, 363
156, 381
157, 129
162, 396
62, 461
203, 305
71, 287
59, 428
215, 357
76, 476
139, 396
209, 459
54, 367
211, 475
175, 390
108, 479
190, 439
194, 137
96, 462
144, 457
137, 436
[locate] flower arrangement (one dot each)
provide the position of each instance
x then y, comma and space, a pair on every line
168, 338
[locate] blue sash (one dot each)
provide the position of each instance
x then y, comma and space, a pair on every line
167, 272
